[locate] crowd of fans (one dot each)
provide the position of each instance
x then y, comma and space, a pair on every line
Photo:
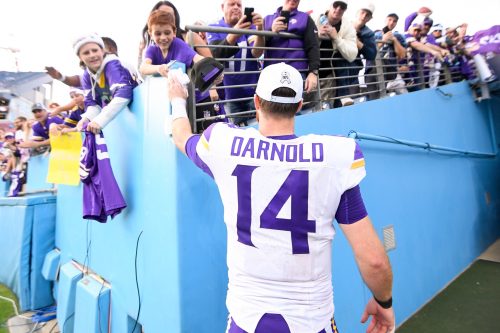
340, 60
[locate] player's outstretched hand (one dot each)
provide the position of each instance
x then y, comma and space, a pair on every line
175, 88
382, 319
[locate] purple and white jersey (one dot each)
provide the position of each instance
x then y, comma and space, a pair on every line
41, 131
101, 194
17, 179
74, 117
280, 197
112, 80
240, 65
178, 50
297, 25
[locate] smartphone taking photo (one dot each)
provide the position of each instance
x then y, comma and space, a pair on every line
385, 30
286, 15
248, 14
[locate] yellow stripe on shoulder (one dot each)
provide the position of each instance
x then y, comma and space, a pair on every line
204, 142
358, 164
70, 121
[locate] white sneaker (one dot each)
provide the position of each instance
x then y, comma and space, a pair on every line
346, 101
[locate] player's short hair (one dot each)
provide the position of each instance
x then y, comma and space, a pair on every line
161, 17
280, 110
21, 118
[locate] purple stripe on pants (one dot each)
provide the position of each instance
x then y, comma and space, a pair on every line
271, 323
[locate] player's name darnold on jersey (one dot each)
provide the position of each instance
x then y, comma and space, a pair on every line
282, 151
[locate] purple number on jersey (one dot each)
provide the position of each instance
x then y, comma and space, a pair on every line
295, 187
243, 175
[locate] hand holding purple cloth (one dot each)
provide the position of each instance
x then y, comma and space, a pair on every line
101, 194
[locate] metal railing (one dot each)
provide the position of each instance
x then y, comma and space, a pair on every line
326, 95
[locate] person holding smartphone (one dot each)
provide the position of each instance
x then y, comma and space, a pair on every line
367, 50
289, 19
338, 42
392, 49
235, 17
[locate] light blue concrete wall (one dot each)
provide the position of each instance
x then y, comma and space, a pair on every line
437, 204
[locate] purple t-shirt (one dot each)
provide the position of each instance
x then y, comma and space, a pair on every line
101, 194
73, 118
178, 50
41, 131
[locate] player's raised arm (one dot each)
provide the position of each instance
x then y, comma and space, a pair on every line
181, 128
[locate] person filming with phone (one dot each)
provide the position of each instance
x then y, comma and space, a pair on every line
392, 49
338, 42
234, 17
292, 51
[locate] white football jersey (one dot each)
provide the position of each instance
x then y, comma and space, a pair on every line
280, 197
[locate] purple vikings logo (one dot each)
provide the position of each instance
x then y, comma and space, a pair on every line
285, 77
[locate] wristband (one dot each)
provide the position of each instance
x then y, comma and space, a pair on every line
62, 78
385, 304
178, 106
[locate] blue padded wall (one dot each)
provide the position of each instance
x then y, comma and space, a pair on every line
69, 276
26, 235
50, 268
91, 306
42, 241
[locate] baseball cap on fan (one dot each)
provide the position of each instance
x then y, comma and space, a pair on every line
369, 7
277, 76
38, 106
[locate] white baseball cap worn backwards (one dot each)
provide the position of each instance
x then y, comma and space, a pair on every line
278, 76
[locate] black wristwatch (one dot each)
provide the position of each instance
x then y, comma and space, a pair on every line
385, 304
314, 71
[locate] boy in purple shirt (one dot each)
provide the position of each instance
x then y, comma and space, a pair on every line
161, 25
168, 47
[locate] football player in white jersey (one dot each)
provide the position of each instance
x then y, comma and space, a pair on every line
280, 194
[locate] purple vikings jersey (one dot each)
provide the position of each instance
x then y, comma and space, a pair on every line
74, 117
101, 194
17, 179
238, 65
41, 131
297, 25
113, 81
280, 197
